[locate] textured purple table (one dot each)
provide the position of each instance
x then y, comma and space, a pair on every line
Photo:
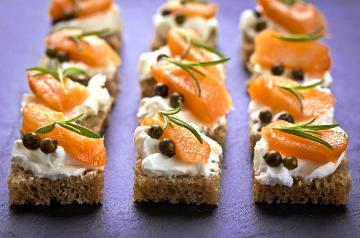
23, 27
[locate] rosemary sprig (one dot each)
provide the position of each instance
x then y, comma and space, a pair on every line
302, 37
294, 90
78, 37
58, 73
291, 2
70, 125
168, 117
308, 131
199, 44
189, 67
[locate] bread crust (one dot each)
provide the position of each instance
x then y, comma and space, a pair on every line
26, 188
175, 189
332, 189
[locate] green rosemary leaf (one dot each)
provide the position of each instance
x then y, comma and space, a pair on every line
207, 63
187, 51
308, 86
306, 136
296, 94
73, 71
68, 127
61, 78
302, 37
93, 33
322, 127
206, 47
43, 71
84, 131
173, 111
46, 129
182, 123
75, 118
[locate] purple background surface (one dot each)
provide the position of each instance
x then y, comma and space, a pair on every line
23, 27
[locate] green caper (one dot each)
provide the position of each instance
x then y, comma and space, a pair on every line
290, 162
48, 145
51, 53
297, 74
286, 117
80, 78
257, 13
265, 116
161, 90
167, 147
260, 25
155, 132
174, 99
278, 69
180, 19
165, 12
69, 15
62, 56
273, 158
31, 141
161, 56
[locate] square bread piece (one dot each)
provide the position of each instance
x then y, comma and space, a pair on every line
332, 189
175, 189
26, 188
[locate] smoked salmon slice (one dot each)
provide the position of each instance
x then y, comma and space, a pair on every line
80, 8
297, 18
193, 9
50, 92
302, 148
96, 53
214, 101
266, 90
178, 42
188, 148
310, 56
88, 151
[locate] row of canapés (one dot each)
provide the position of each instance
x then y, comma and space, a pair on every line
61, 155
299, 150
183, 110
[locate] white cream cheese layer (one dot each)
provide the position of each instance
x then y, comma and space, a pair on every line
247, 23
204, 27
155, 104
280, 175
307, 78
98, 100
53, 166
156, 164
106, 20
148, 59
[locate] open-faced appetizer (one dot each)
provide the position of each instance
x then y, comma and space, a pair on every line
205, 97
182, 44
197, 15
299, 57
88, 15
301, 163
288, 16
175, 162
84, 50
56, 90
56, 160
278, 98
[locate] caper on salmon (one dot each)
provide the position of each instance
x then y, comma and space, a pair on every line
273, 158
167, 147
265, 116
286, 117
161, 56
80, 78
278, 69
161, 90
260, 25
155, 131
31, 141
51, 53
174, 99
165, 12
257, 13
62, 56
297, 74
180, 19
48, 145
290, 162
